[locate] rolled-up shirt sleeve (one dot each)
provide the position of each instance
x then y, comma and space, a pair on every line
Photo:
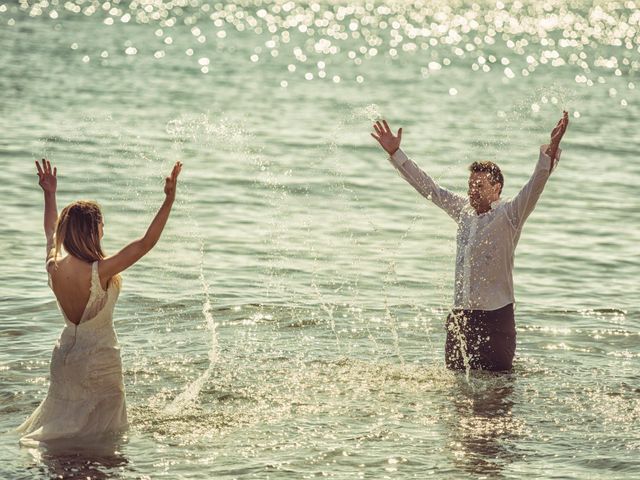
426, 186
520, 207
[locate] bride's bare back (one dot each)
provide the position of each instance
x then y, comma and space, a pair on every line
71, 284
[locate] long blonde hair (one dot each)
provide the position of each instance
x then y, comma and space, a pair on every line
78, 231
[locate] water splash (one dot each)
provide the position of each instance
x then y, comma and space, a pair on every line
200, 129
191, 392
370, 112
456, 328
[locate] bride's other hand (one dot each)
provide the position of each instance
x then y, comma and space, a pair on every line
47, 177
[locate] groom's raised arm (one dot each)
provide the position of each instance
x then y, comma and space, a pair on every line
521, 206
417, 178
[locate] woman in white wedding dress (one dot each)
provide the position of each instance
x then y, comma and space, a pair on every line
86, 392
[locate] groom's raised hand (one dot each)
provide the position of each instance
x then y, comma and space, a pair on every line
556, 136
386, 139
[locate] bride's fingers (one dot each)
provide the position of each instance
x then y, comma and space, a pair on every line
174, 173
55, 171
40, 172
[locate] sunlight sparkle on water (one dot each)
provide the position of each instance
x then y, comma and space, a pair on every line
365, 32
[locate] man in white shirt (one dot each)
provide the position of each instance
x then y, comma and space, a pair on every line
481, 327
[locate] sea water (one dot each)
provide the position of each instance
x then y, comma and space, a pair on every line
290, 322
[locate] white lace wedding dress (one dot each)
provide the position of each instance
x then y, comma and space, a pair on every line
86, 390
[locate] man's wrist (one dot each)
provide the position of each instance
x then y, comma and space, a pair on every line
398, 158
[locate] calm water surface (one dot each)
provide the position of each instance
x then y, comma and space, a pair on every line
289, 324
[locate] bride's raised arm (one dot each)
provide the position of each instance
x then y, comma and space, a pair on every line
48, 181
137, 249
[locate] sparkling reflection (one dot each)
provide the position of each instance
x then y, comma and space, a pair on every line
481, 426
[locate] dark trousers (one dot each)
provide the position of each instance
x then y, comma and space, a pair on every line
486, 339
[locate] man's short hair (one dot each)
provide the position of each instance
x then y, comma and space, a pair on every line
495, 175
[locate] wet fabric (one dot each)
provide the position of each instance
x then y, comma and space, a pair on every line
483, 339
485, 242
86, 390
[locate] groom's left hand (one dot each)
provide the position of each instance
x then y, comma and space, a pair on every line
556, 136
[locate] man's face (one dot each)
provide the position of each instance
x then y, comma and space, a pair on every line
481, 192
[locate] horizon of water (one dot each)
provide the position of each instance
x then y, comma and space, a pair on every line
289, 323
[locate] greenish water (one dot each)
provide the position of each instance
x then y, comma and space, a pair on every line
289, 324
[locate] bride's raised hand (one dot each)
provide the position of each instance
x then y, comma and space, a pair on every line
172, 180
47, 178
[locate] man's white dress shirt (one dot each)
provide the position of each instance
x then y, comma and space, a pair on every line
485, 242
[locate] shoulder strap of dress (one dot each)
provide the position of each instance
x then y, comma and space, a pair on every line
96, 288
47, 265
